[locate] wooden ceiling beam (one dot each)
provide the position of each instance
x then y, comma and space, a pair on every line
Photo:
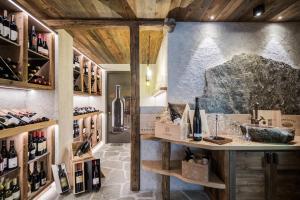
96, 23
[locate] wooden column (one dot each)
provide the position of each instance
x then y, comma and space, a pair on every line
135, 107
165, 183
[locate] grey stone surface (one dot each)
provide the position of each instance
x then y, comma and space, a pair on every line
236, 85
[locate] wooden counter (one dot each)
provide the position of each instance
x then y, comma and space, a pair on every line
236, 144
241, 169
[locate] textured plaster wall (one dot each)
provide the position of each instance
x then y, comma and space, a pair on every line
194, 47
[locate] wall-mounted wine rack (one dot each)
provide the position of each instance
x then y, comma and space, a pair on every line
21, 66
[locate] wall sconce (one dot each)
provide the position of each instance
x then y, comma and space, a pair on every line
258, 10
148, 75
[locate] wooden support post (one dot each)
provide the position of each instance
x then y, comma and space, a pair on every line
231, 181
135, 107
165, 183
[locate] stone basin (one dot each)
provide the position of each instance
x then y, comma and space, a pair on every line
268, 134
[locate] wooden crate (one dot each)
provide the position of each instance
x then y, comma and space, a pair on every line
195, 171
84, 157
73, 177
168, 131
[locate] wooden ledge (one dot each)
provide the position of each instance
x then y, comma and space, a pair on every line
86, 115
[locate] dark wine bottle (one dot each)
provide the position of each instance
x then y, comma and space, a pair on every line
78, 178
31, 148
35, 178
118, 111
15, 189
44, 142
13, 29
4, 154
40, 46
1, 25
34, 141
197, 126
6, 29
83, 148
40, 144
63, 179
1, 165
29, 182
96, 176
33, 40
12, 157
45, 46
43, 176
8, 192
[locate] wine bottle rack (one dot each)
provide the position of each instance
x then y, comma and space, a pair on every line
20, 136
88, 77
19, 53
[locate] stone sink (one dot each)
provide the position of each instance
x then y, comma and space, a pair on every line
268, 134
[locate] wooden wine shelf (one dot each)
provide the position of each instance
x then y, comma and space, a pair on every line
37, 158
21, 129
86, 115
34, 54
10, 172
40, 190
4, 41
6, 83
175, 170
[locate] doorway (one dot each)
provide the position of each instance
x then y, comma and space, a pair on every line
118, 107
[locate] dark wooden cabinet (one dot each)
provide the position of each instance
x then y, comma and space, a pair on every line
270, 175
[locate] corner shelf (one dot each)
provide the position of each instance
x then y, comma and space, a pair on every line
175, 171
9, 132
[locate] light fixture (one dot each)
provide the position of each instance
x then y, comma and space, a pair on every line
41, 23
258, 10
148, 69
212, 17
280, 18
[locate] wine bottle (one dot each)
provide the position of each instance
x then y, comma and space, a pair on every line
63, 179
40, 46
83, 148
33, 40
34, 141
8, 192
29, 182
39, 144
1, 25
96, 176
8, 121
15, 189
45, 46
35, 178
31, 148
78, 178
197, 126
44, 142
6, 29
12, 158
4, 154
1, 165
13, 29
43, 177
118, 111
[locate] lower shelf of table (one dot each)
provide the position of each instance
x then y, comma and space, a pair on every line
175, 171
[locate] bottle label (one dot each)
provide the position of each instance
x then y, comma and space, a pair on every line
9, 198
40, 49
6, 31
13, 35
5, 162
12, 162
32, 152
79, 179
95, 181
1, 28
16, 195
197, 135
43, 181
37, 185
63, 182
45, 145
40, 147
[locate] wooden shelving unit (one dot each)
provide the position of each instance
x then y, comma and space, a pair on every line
85, 120
87, 76
20, 136
25, 57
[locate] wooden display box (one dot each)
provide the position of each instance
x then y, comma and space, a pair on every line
73, 175
195, 171
168, 131
84, 157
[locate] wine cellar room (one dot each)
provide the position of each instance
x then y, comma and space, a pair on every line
140, 100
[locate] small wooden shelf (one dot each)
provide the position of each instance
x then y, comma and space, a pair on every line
37, 158
40, 190
10, 172
21, 129
34, 54
175, 170
4, 41
86, 115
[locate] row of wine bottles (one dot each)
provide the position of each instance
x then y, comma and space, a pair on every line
8, 28
84, 110
10, 189
9, 69
37, 144
90, 177
37, 176
8, 157
10, 118
38, 42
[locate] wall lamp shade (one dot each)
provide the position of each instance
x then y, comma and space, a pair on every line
258, 10
148, 75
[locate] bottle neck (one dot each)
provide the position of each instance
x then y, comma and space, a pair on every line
118, 92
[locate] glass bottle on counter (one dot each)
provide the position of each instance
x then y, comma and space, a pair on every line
118, 111
197, 125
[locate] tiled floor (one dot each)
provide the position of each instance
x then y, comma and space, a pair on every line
115, 164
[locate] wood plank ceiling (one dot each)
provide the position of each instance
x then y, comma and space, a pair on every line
111, 45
